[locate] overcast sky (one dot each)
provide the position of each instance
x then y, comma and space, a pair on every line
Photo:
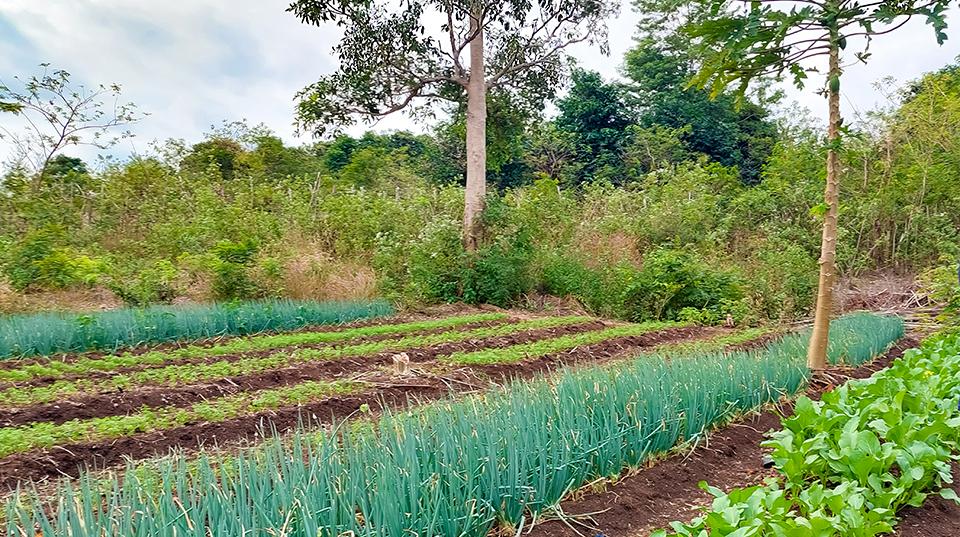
194, 63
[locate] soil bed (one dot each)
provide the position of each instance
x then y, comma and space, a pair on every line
95, 375
16, 363
936, 518
667, 490
84, 406
394, 393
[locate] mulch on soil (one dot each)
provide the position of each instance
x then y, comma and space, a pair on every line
668, 490
67, 460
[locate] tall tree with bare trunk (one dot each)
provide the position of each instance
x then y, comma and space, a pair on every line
411, 55
739, 43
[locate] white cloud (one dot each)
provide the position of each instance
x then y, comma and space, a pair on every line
193, 63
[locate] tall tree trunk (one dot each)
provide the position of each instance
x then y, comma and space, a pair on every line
476, 142
817, 351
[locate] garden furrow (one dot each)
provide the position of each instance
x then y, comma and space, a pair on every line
651, 497
92, 405
91, 366
530, 441
391, 392
249, 355
199, 373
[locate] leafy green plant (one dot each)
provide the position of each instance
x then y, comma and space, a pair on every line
850, 461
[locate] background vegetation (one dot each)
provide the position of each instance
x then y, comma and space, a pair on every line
632, 200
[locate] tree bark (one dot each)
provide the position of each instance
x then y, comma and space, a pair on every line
817, 351
476, 190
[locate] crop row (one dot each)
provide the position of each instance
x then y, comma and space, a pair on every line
45, 434
536, 349
45, 334
57, 369
449, 469
849, 462
191, 373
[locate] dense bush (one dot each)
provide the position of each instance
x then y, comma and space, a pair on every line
652, 229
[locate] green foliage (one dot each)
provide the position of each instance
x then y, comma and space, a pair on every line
496, 458
672, 281
231, 280
56, 369
597, 115
52, 333
175, 373
736, 135
39, 260
850, 461
734, 42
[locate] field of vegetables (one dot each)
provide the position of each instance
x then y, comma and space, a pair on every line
95, 409
483, 454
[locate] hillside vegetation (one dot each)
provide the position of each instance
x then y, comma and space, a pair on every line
626, 202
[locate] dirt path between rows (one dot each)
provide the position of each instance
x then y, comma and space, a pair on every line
390, 393
667, 490
117, 403
236, 357
936, 518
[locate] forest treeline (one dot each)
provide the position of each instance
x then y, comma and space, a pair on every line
642, 199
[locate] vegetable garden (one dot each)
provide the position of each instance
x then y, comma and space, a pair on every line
458, 425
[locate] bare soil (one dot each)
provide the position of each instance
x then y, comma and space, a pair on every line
667, 490
387, 392
936, 518
95, 375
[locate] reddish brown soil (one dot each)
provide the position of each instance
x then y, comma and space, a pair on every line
125, 402
601, 352
95, 375
652, 497
209, 342
69, 459
66, 460
937, 517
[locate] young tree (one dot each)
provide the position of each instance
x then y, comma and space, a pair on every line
391, 58
742, 42
59, 114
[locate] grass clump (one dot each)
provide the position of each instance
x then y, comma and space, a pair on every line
45, 334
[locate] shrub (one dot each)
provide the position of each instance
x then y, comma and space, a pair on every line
672, 280
40, 260
230, 278
151, 284
498, 274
